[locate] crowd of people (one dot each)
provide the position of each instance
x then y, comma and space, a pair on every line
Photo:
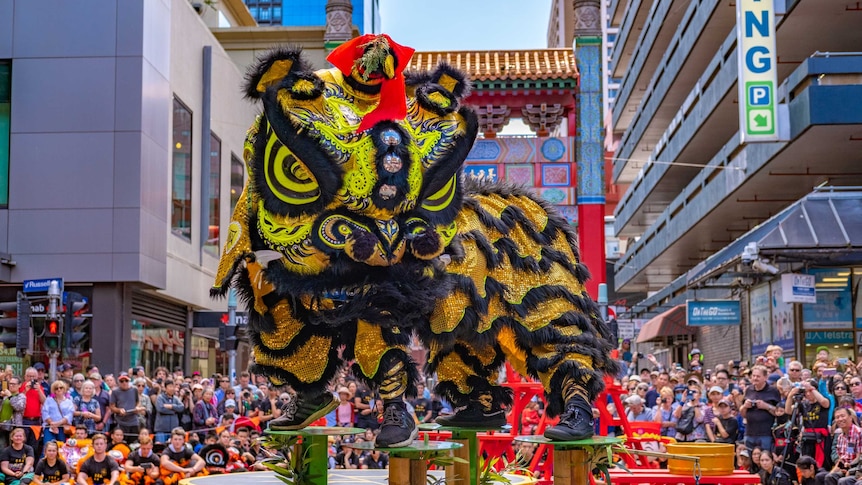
154, 427
788, 422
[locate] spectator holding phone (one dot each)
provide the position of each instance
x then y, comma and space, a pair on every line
689, 417
143, 463
758, 408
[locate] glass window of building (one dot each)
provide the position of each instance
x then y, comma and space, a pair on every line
181, 172
5, 117
237, 180
212, 242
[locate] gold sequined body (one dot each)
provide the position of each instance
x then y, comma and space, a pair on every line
518, 294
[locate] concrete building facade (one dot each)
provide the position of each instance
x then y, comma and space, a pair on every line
125, 139
696, 188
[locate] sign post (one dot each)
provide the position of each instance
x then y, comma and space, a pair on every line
758, 81
231, 353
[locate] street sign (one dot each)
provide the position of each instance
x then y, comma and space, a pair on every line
40, 286
217, 319
627, 329
798, 288
755, 31
712, 312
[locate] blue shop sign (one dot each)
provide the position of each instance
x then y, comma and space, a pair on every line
712, 312
814, 338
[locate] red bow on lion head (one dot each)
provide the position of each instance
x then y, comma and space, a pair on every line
377, 55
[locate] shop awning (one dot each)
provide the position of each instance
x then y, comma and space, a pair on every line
667, 324
825, 226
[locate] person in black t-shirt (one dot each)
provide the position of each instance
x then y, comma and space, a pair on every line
142, 465
363, 405
99, 468
16, 460
51, 470
725, 424
758, 409
814, 408
179, 461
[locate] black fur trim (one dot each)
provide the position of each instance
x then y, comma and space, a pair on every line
594, 386
290, 81
413, 79
462, 88
388, 360
264, 63
362, 87
423, 96
327, 172
445, 168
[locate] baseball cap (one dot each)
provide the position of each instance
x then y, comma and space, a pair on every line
196, 373
716, 389
635, 377
65, 366
634, 400
229, 403
198, 386
124, 376
745, 453
695, 351
693, 379
725, 402
773, 378
39, 366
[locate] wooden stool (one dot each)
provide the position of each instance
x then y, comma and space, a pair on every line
571, 460
407, 464
315, 443
468, 451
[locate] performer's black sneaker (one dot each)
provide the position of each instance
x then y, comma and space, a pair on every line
576, 422
398, 428
473, 416
301, 411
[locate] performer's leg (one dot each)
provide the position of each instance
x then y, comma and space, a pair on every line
467, 378
304, 356
382, 361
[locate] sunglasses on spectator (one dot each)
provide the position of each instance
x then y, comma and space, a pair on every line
854, 384
841, 388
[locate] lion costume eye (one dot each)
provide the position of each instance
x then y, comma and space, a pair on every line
288, 178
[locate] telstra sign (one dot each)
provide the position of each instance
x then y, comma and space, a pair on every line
755, 33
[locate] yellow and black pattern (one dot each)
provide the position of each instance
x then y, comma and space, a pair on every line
518, 292
345, 243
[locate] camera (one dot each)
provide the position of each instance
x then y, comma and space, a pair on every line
689, 395
664, 400
640, 355
33, 383
146, 465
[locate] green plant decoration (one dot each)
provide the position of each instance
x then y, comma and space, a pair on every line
293, 471
601, 459
440, 462
489, 474
374, 58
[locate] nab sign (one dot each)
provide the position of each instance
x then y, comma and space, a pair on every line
755, 34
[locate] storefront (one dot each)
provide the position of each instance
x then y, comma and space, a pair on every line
821, 236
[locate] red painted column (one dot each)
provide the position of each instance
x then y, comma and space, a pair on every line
591, 242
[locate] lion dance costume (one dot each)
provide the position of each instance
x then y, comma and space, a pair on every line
357, 230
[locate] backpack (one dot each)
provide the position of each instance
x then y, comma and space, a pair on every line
685, 425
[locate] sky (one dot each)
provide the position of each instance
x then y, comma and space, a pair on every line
447, 25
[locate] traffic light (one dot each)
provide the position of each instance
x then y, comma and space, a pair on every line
15, 324
24, 334
227, 337
76, 325
52, 334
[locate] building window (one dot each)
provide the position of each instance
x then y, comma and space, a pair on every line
212, 241
264, 14
237, 180
181, 172
5, 117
